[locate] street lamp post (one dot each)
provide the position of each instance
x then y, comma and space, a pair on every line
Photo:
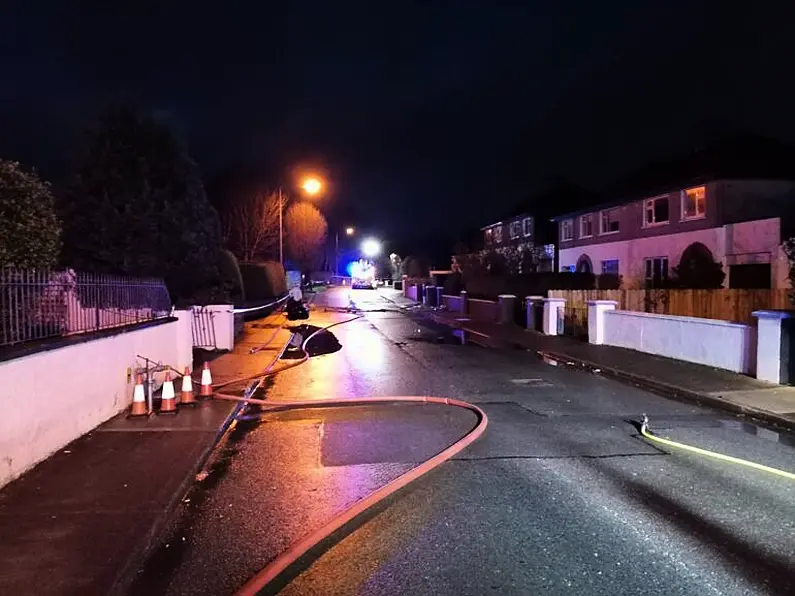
349, 231
281, 228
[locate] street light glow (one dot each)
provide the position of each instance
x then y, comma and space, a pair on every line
312, 186
371, 247
350, 231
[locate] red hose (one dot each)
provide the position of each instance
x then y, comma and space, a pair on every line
305, 544
300, 548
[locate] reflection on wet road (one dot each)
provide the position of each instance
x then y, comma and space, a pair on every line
561, 496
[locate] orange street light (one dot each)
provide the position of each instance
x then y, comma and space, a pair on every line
312, 186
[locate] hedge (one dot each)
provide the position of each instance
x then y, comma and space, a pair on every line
262, 281
231, 276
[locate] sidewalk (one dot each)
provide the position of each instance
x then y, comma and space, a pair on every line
81, 521
774, 404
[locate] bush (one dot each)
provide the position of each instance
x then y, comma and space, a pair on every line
262, 281
231, 277
30, 233
453, 284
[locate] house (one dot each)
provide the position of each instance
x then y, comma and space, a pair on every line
739, 223
527, 229
517, 235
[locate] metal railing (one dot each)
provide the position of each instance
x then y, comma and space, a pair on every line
40, 304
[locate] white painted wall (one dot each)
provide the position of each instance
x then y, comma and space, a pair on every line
734, 243
704, 341
51, 398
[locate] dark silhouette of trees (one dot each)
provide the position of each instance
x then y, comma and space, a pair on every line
137, 207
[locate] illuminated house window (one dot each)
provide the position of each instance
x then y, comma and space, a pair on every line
655, 211
498, 234
608, 221
489, 236
694, 204
527, 226
567, 230
586, 226
515, 230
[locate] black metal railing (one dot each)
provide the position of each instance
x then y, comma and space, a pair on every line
41, 304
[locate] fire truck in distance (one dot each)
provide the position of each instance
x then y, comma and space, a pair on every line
363, 275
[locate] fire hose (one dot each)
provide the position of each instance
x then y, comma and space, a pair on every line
298, 549
644, 430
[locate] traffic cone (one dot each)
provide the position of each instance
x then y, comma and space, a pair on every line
186, 397
168, 405
138, 409
207, 382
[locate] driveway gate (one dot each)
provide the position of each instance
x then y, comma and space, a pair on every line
203, 328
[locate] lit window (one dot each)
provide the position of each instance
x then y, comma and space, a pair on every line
527, 225
655, 211
567, 230
608, 221
489, 236
586, 226
515, 229
610, 267
498, 234
694, 204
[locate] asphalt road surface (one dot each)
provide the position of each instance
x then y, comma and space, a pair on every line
560, 496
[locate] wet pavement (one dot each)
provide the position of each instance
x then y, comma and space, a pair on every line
560, 496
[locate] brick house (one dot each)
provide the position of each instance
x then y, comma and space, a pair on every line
642, 237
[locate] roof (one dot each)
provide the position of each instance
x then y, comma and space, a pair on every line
738, 157
543, 204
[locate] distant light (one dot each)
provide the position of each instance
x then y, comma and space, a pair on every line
362, 270
371, 247
350, 231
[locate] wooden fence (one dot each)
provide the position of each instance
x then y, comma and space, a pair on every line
724, 305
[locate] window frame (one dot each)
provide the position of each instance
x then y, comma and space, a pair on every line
514, 230
497, 234
651, 202
602, 213
582, 219
564, 237
525, 222
648, 267
683, 196
616, 261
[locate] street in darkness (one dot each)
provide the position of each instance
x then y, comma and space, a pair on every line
560, 496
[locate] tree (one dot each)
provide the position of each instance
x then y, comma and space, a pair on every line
137, 207
30, 233
698, 269
306, 233
251, 226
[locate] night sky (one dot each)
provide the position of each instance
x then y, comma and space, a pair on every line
429, 117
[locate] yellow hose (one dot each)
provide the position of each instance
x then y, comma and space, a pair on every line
644, 430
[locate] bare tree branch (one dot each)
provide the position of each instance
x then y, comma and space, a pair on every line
253, 226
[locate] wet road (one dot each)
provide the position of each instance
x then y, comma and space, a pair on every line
560, 496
